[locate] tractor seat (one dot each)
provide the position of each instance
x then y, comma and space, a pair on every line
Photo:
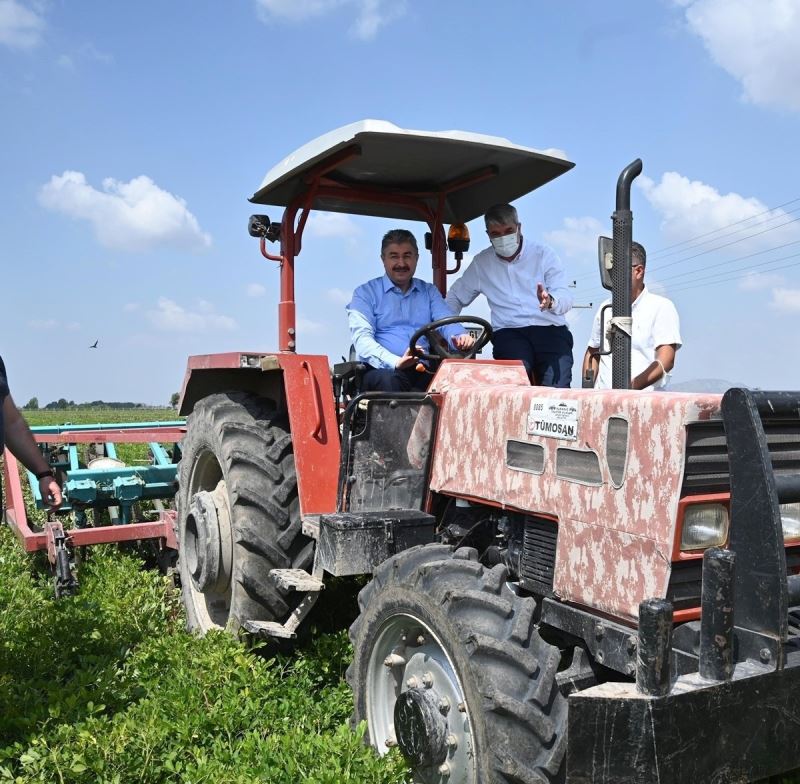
347, 376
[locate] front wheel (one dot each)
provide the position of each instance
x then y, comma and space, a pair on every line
448, 665
238, 514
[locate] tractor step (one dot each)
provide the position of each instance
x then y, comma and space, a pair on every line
296, 580
268, 629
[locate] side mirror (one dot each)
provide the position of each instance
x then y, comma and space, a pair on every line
605, 259
260, 226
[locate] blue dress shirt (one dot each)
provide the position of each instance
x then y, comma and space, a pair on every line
383, 318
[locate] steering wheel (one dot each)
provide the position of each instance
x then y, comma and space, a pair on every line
441, 347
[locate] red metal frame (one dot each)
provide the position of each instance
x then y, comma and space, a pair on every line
31, 541
322, 186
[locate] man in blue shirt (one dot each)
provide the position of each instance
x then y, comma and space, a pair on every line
386, 311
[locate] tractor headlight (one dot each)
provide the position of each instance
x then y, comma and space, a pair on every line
790, 518
704, 525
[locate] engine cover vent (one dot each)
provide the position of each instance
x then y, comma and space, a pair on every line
538, 555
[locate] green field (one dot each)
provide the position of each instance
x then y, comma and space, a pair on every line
107, 686
90, 416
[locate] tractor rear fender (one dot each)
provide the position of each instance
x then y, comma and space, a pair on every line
300, 386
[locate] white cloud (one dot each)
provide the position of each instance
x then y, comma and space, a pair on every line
690, 208
21, 26
578, 238
332, 224
371, 15
755, 281
169, 316
786, 299
339, 296
132, 216
255, 290
756, 42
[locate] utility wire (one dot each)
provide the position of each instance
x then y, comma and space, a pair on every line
716, 279
694, 272
727, 244
721, 228
731, 233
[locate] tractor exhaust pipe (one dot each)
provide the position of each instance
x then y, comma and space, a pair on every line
621, 278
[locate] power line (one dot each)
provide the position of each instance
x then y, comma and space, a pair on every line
735, 231
736, 275
723, 263
728, 244
721, 228
729, 261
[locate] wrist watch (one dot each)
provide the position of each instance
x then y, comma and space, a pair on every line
42, 474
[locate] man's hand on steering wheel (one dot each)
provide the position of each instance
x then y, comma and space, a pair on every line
467, 350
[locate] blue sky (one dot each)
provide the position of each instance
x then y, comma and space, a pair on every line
132, 135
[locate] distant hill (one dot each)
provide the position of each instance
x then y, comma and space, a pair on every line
713, 385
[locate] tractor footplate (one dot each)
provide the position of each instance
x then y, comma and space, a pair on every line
268, 629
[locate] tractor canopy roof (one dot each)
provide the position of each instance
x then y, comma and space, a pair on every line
372, 167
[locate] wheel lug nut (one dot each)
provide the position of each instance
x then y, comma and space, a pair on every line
444, 705
452, 741
444, 770
427, 680
394, 660
413, 682
462, 707
391, 743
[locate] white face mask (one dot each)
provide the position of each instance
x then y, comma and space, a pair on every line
506, 245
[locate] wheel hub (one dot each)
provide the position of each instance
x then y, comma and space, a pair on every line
421, 728
208, 540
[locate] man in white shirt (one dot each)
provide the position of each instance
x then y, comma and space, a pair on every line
526, 288
655, 340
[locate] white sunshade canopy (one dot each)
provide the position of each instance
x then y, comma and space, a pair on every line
420, 164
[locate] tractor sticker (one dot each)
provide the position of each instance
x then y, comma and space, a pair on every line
553, 418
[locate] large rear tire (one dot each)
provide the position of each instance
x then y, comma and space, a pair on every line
448, 665
238, 513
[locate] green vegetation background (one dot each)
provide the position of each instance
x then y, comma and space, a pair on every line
108, 687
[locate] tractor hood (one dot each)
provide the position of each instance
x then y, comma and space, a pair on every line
469, 171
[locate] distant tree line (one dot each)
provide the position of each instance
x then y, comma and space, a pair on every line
62, 404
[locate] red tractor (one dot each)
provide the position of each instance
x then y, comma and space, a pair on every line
567, 584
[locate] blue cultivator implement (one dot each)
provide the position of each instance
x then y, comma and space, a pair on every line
103, 496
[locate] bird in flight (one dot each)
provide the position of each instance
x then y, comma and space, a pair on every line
94, 345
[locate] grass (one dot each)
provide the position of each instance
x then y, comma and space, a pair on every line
108, 687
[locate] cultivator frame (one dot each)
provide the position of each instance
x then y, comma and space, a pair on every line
116, 488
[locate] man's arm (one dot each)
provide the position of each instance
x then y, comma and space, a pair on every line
591, 362
455, 333
19, 440
362, 332
464, 290
658, 369
555, 285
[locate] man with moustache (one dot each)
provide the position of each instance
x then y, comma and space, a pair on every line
386, 311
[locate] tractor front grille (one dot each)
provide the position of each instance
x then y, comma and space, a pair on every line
538, 555
707, 469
